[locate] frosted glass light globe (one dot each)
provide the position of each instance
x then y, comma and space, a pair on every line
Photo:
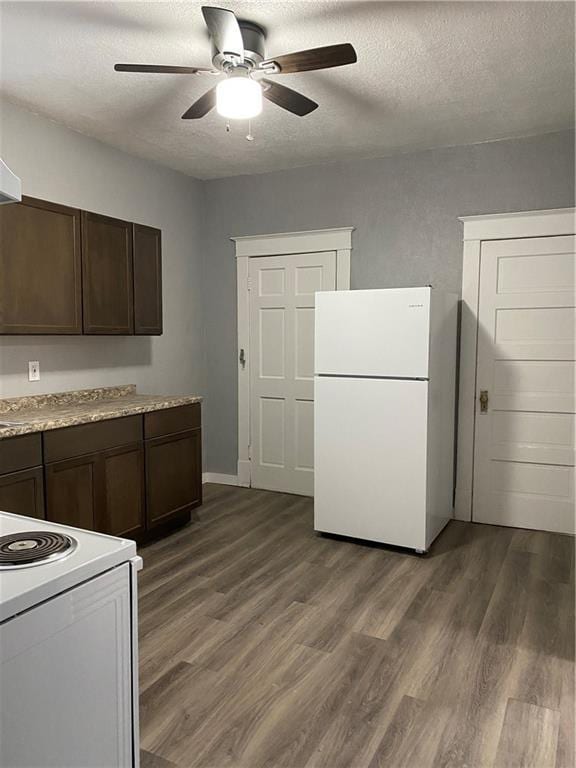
238, 98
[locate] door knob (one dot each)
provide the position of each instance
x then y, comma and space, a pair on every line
483, 401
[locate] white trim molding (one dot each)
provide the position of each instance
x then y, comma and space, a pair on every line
216, 477
247, 247
523, 224
502, 226
283, 243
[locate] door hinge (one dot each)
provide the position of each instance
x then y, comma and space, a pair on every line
249, 283
250, 452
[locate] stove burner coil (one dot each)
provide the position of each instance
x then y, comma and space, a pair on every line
20, 550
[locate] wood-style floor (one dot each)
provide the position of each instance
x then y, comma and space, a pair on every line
264, 645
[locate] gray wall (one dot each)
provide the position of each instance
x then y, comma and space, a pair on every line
404, 209
63, 166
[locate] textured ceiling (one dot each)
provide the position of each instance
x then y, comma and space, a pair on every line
428, 74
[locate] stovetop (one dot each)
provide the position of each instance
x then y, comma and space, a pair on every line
69, 557
29, 548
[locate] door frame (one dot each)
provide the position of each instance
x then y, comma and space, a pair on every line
477, 229
248, 247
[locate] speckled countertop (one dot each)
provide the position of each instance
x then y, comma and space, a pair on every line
39, 413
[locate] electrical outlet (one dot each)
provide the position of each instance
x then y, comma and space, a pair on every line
33, 370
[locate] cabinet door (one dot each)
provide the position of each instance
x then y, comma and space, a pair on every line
23, 492
73, 492
40, 268
107, 279
147, 280
123, 477
173, 475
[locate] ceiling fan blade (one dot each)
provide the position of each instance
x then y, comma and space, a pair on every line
287, 98
314, 58
161, 69
202, 106
224, 30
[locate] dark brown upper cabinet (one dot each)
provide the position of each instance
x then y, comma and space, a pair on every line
147, 280
40, 268
107, 275
66, 271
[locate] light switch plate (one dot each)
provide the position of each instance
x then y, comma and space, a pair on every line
34, 370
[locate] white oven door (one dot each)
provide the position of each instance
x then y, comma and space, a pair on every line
66, 689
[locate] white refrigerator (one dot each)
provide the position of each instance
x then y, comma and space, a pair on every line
385, 366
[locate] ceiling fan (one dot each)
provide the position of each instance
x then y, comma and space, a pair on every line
238, 52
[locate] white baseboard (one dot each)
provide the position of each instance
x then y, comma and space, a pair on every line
216, 477
244, 473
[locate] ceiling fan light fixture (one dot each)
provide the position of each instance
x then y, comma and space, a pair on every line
239, 98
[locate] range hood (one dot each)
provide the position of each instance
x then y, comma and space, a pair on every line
10, 185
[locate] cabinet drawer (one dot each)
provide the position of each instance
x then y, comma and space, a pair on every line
20, 453
89, 438
171, 420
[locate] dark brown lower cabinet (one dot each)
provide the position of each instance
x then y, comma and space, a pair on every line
73, 495
23, 492
102, 491
131, 476
173, 476
123, 481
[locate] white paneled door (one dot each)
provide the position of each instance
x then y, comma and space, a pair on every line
524, 442
282, 300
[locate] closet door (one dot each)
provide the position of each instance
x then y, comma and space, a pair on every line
524, 440
107, 275
282, 310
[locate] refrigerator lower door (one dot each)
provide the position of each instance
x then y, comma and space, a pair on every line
370, 459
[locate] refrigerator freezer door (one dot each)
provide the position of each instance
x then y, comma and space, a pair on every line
373, 333
370, 459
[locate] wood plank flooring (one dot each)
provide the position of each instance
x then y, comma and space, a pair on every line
263, 645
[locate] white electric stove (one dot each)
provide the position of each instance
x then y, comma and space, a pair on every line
68, 647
